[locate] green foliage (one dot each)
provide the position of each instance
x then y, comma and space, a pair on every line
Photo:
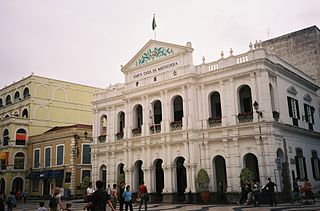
121, 178
246, 175
85, 183
203, 179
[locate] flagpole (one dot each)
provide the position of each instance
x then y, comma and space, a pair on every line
154, 25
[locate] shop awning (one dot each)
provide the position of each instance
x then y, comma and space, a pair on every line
33, 175
56, 174
45, 174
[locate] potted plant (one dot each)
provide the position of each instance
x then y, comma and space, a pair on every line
246, 176
121, 178
203, 180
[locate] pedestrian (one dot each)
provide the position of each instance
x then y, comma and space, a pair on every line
114, 196
122, 188
269, 187
41, 206
256, 193
143, 195
249, 194
99, 199
89, 192
243, 194
308, 194
296, 191
109, 190
127, 196
221, 197
55, 200
1, 202
11, 201
24, 196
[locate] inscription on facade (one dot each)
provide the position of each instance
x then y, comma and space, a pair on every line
155, 70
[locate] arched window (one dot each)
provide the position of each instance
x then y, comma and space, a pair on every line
26, 93
103, 129
251, 162
137, 120
103, 175
215, 110
156, 117
245, 104
300, 164
19, 161
16, 96
1, 103
6, 137
25, 113
8, 100
315, 164
177, 107
21, 137
121, 125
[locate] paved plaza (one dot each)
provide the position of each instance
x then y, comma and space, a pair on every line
78, 205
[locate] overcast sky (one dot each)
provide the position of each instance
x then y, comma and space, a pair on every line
87, 41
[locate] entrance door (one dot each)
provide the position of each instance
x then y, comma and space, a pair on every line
46, 187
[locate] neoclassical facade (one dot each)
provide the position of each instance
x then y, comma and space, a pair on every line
171, 118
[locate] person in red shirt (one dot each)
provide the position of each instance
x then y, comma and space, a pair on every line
143, 195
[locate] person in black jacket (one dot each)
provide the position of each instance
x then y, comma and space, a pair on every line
99, 199
269, 187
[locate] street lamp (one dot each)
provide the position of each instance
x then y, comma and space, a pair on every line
256, 108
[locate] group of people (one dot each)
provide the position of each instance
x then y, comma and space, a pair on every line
99, 198
11, 200
305, 190
251, 192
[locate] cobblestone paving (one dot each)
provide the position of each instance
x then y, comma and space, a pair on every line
78, 205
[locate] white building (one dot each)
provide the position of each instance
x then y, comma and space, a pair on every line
171, 118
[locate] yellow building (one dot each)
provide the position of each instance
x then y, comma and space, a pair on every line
30, 107
59, 158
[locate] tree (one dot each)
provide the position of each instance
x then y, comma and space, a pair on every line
203, 179
246, 175
85, 183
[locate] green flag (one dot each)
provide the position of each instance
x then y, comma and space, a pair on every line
154, 25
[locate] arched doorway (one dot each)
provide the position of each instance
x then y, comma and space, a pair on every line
181, 179
220, 171
251, 162
137, 175
17, 184
159, 176
103, 175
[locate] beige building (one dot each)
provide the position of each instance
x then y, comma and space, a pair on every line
30, 107
59, 158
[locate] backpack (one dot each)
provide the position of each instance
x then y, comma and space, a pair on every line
53, 202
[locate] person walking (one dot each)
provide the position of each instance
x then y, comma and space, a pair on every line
256, 193
244, 193
127, 196
122, 188
89, 192
144, 197
114, 196
11, 201
1, 202
99, 199
55, 200
296, 191
24, 196
269, 187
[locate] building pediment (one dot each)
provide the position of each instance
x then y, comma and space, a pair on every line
292, 90
155, 51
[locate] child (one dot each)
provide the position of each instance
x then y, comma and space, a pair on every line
41, 207
68, 206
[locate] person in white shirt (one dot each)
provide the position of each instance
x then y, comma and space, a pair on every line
90, 191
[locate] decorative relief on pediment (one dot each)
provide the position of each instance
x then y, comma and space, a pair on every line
292, 90
307, 97
153, 54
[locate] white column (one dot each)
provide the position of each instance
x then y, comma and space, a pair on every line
168, 182
185, 108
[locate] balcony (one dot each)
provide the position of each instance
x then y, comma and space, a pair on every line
176, 125
102, 138
245, 117
156, 128
214, 121
119, 135
136, 132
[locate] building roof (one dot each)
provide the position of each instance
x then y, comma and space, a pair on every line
78, 126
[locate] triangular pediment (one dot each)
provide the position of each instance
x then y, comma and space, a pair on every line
292, 90
154, 51
307, 97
